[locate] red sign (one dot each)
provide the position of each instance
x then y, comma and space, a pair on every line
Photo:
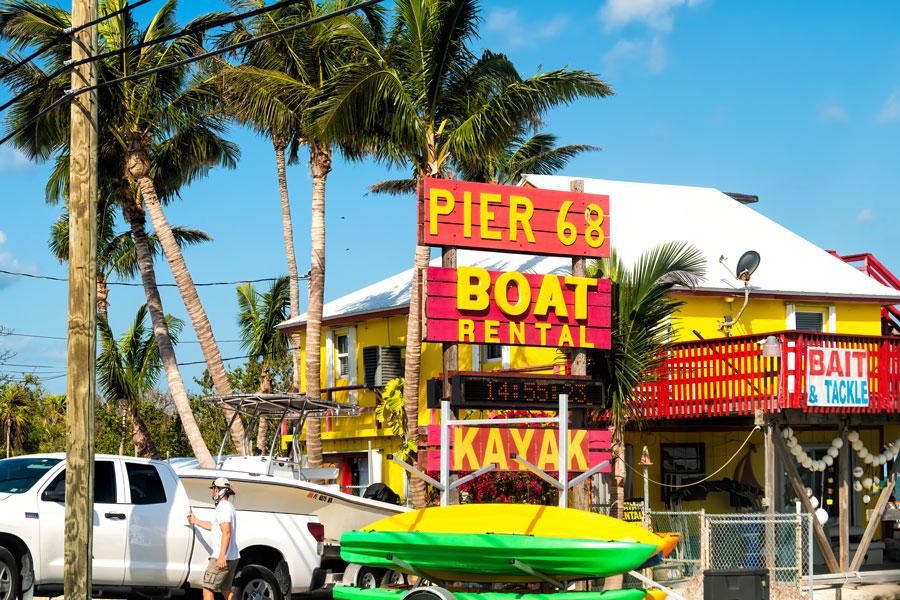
477, 306
476, 447
512, 219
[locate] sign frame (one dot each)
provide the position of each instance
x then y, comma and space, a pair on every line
576, 386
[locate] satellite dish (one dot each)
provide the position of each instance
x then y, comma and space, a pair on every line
747, 264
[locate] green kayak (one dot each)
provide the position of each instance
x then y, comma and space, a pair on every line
351, 593
488, 557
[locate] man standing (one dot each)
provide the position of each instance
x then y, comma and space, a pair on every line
224, 557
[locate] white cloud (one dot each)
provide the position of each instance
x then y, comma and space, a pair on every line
651, 53
831, 112
890, 112
656, 14
8, 262
864, 216
508, 22
12, 160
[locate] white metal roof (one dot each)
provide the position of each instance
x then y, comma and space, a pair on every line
643, 215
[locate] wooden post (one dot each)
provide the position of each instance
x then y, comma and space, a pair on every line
770, 494
844, 499
799, 489
875, 519
579, 367
81, 347
450, 358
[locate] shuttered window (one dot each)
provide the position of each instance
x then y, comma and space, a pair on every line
810, 321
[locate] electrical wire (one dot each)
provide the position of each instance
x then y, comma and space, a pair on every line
60, 337
69, 32
71, 94
133, 284
155, 42
707, 478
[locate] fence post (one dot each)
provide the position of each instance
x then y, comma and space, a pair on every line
809, 569
704, 541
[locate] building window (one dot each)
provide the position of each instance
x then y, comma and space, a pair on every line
342, 354
810, 320
491, 353
681, 464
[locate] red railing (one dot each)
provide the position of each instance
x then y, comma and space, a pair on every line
872, 267
730, 376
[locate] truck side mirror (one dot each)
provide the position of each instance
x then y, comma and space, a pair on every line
54, 495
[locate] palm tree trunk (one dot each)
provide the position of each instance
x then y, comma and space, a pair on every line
8, 427
320, 165
411, 373
143, 443
293, 277
191, 300
122, 436
102, 302
617, 494
135, 217
262, 434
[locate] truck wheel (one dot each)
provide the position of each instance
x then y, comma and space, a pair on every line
9, 576
396, 578
255, 582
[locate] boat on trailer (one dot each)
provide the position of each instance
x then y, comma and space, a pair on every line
282, 484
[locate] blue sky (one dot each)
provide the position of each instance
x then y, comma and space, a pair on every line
797, 103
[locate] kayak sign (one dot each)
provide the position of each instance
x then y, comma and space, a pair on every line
475, 447
510, 218
476, 306
837, 378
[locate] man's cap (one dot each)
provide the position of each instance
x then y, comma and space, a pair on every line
221, 483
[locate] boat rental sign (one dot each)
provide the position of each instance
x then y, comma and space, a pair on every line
837, 377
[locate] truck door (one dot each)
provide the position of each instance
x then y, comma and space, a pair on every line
159, 536
110, 527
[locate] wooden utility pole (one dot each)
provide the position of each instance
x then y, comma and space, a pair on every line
81, 350
580, 494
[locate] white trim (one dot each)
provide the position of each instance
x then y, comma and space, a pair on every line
504, 357
832, 319
790, 317
351, 364
329, 359
476, 356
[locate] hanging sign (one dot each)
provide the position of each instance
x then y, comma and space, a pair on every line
475, 447
837, 377
477, 306
510, 218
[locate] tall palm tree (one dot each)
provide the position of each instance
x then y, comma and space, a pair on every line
159, 129
258, 314
115, 249
129, 368
425, 99
642, 329
270, 91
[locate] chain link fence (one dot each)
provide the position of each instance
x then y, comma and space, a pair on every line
781, 543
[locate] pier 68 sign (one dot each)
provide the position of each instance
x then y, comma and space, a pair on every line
474, 305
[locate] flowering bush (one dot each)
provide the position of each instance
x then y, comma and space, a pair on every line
505, 487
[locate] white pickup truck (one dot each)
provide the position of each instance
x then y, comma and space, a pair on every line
143, 544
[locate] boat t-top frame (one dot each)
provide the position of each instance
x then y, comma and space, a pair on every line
283, 406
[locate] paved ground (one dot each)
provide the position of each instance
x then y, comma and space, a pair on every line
862, 592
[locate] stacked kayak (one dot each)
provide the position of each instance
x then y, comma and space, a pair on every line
502, 543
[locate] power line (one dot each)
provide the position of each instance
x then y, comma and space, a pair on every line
71, 94
132, 284
68, 32
113, 53
60, 337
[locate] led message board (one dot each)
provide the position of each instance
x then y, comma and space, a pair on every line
479, 390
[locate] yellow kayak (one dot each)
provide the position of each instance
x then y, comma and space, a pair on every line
518, 519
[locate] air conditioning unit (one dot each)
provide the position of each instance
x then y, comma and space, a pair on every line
381, 364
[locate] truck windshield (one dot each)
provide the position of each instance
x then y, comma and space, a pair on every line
17, 475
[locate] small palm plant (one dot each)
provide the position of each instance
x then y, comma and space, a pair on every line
129, 368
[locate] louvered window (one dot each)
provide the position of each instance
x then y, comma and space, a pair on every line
810, 321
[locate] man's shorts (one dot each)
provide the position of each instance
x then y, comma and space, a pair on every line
219, 580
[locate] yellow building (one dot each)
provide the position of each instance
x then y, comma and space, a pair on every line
722, 378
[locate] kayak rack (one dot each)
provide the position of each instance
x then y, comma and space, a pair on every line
422, 575
535, 573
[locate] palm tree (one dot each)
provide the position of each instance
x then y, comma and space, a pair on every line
128, 368
115, 250
159, 129
270, 91
257, 317
425, 100
14, 414
641, 330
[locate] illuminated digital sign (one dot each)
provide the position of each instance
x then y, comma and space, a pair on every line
484, 391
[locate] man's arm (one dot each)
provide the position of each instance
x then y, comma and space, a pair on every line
226, 539
207, 525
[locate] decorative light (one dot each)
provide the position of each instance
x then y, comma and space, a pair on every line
814, 501
857, 472
822, 516
828, 460
853, 436
837, 443
857, 445
867, 482
857, 486
833, 452
866, 499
